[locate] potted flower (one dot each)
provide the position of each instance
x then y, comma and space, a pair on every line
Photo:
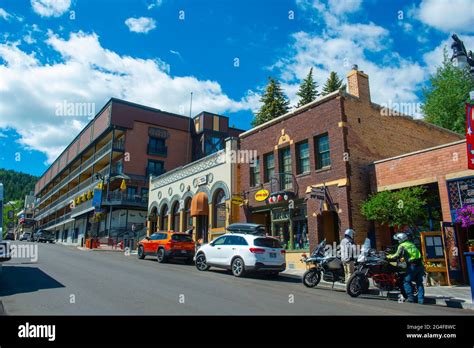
465, 216
470, 245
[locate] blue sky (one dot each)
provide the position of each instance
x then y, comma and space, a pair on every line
157, 52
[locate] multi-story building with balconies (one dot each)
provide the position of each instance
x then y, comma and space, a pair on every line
118, 150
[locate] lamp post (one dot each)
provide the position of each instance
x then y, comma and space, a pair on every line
462, 59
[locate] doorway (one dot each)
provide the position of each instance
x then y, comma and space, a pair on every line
329, 227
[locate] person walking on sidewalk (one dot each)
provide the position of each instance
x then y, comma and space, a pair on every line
415, 271
347, 253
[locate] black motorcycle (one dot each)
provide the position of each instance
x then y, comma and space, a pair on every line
387, 276
319, 264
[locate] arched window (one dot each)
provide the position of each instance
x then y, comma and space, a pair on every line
219, 213
164, 218
188, 220
175, 217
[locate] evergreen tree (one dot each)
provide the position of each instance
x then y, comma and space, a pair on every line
308, 90
333, 83
445, 97
275, 103
16, 185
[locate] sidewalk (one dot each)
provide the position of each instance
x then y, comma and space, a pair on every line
107, 248
448, 296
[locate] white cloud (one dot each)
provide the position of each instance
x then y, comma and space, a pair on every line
155, 3
50, 8
448, 15
4, 14
344, 6
32, 89
140, 25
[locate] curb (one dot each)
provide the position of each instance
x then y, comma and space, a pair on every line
430, 300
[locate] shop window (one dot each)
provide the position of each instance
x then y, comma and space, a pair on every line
302, 157
286, 182
219, 214
164, 218
255, 173
175, 216
188, 219
323, 159
269, 166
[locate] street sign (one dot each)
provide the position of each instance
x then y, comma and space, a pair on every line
97, 199
318, 193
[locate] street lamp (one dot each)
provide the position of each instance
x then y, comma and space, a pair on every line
461, 58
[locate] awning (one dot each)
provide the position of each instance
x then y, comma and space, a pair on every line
199, 205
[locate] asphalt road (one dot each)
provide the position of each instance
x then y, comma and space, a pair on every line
68, 281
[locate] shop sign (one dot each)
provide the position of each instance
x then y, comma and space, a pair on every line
469, 135
97, 199
237, 200
201, 180
261, 195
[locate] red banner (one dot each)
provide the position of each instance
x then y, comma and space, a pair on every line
470, 135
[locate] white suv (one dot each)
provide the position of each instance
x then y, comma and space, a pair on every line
241, 253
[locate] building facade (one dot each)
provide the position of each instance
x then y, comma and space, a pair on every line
326, 146
114, 156
197, 196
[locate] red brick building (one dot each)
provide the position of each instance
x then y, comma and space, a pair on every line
124, 143
329, 143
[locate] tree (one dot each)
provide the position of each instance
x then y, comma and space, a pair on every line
308, 90
16, 185
445, 97
333, 83
275, 103
405, 207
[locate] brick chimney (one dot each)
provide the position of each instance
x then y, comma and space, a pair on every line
358, 84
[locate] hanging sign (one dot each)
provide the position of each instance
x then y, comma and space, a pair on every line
237, 200
261, 195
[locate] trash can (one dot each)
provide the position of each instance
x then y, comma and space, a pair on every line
470, 271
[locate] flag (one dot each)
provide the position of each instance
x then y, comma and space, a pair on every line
469, 135
123, 185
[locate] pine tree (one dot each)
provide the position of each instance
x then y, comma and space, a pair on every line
275, 103
308, 90
332, 84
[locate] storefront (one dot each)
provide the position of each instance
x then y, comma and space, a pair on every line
196, 198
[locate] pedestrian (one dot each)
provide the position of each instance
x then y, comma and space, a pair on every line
347, 253
415, 270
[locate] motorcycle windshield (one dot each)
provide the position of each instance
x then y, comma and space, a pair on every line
320, 248
364, 251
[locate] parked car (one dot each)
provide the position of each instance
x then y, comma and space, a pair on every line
43, 236
4, 252
167, 245
25, 236
10, 236
242, 253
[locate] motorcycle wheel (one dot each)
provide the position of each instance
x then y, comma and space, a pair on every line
311, 278
356, 284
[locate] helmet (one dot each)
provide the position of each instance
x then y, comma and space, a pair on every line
349, 233
401, 237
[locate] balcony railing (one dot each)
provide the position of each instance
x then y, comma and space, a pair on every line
126, 198
119, 145
158, 151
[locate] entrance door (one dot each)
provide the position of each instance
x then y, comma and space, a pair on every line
201, 228
330, 227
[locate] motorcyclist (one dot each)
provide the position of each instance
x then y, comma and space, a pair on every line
415, 271
347, 253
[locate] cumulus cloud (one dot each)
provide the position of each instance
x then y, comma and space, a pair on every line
140, 25
448, 15
89, 73
4, 14
50, 8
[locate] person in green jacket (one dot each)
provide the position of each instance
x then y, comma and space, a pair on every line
415, 271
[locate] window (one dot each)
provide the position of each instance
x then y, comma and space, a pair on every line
181, 238
188, 219
212, 144
286, 181
219, 209
220, 241
131, 191
255, 173
154, 236
235, 240
164, 218
302, 158
269, 166
267, 242
144, 192
155, 168
175, 221
157, 147
323, 159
